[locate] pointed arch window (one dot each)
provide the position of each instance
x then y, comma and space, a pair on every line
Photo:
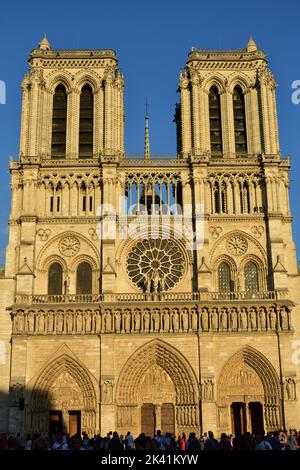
55, 278
239, 115
251, 277
215, 121
59, 123
86, 122
225, 280
84, 278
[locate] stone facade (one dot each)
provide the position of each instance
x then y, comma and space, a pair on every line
168, 331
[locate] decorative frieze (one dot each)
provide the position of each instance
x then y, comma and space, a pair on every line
157, 319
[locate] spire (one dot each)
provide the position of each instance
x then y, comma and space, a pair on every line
44, 44
251, 46
147, 142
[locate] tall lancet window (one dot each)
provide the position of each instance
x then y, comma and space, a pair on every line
240, 133
251, 277
55, 276
84, 279
215, 121
225, 281
59, 123
86, 122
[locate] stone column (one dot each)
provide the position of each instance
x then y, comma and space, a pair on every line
157, 413
185, 115
65, 420
255, 118
227, 124
34, 115
195, 115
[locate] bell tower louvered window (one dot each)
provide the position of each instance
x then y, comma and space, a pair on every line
86, 123
240, 133
59, 123
215, 122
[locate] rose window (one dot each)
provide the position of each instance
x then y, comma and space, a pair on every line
69, 246
237, 245
155, 264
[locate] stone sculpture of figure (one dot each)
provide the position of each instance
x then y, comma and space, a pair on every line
156, 320
98, 322
59, 323
79, 322
147, 284
67, 284
253, 318
224, 319
50, 325
204, 319
194, 319
290, 389
233, 317
107, 321
107, 392
161, 283
284, 318
166, 320
69, 322
155, 280
137, 321
273, 318
19, 322
41, 323
117, 321
185, 320
127, 321
243, 319
31, 322
88, 322
146, 318
262, 317
175, 321
214, 318
207, 390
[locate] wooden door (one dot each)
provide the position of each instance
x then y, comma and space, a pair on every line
74, 422
55, 423
167, 418
257, 417
148, 419
238, 417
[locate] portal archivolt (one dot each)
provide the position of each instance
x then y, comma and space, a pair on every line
248, 377
63, 385
157, 373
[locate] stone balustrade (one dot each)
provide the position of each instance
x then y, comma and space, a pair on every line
143, 297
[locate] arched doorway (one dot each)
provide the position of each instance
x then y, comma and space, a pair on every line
248, 394
157, 389
63, 397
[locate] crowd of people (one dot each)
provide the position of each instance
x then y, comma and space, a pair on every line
278, 440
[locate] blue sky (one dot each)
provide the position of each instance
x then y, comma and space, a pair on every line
152, 40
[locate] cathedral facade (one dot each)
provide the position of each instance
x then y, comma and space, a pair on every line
149, 293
